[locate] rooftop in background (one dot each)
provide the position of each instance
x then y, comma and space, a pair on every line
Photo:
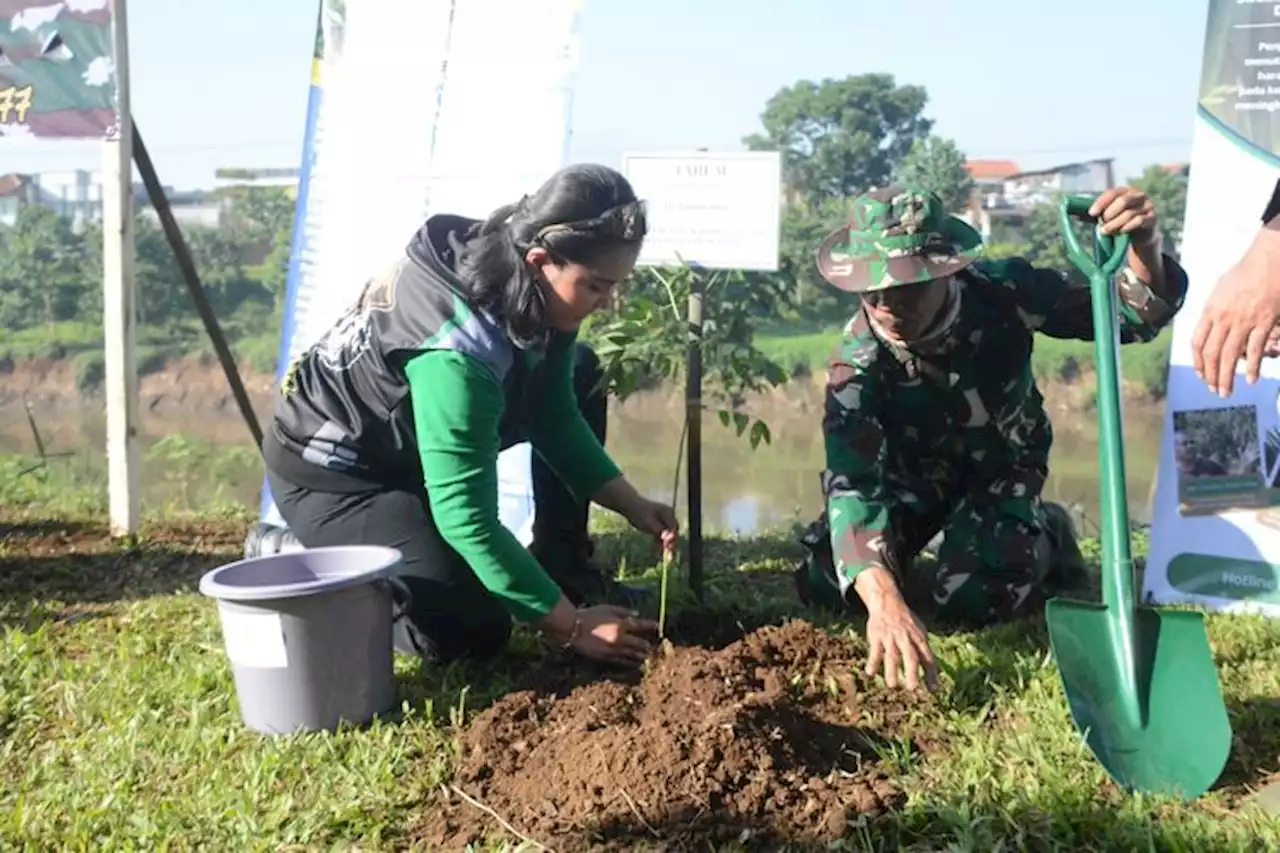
991, 170
1066, 168
13, 184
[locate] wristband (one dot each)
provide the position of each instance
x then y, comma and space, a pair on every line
577, 629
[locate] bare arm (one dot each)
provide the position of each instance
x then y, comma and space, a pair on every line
1242, 311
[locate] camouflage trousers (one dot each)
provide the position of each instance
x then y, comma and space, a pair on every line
998, 560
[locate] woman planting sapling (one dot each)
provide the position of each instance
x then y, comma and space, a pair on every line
387, 430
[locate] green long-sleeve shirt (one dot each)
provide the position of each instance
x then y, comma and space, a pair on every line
457, 405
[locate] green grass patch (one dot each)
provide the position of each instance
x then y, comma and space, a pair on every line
800, 353
119, 730
253, 336
53, 341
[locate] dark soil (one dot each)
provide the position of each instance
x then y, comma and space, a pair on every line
772, 739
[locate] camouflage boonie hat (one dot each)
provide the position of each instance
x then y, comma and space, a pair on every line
896, 235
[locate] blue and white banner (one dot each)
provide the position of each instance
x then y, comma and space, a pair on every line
420, 107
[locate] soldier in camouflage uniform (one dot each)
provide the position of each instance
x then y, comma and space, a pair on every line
934, 422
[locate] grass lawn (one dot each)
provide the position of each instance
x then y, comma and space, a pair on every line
118, 727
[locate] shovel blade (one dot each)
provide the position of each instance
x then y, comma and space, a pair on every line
1157, 724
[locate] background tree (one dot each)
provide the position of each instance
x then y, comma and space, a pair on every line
162, 297
275, 268
839, 137
937, 164
42, 270
255, 217
1045, 245
219, 261
811, 298
1168, 192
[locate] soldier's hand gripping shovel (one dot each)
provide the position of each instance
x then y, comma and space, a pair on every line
1141, 683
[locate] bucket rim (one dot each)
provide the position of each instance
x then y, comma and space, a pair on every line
382, 562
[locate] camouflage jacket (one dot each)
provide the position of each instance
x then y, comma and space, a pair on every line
908, 429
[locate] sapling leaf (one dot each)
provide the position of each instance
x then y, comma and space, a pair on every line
759, 433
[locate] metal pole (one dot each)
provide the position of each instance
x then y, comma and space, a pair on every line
693, 421
191, 278
119, 299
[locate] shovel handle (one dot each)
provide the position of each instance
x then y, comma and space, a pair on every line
1109, 254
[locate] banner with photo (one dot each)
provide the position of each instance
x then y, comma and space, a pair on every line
1215, 536
57, 72
411, 109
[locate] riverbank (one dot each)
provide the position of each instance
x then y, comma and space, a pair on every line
113, 680
62, 364
171, 378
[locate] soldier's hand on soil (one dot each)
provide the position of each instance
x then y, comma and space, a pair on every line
614, 635
896, 639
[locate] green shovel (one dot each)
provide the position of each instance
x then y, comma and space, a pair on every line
1141, 683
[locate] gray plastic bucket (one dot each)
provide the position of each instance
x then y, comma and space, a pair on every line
308, 636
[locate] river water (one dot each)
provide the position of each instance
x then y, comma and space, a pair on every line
193, 458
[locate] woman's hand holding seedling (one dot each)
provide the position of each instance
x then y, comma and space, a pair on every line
604, 633
648, 516
655, 518
614, 635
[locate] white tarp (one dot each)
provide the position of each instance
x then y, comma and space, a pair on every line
413, 108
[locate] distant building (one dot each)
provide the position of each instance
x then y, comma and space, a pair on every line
77, 195
15, 191
266, 177
1004, 195
989, 177
1029, 189
199, 208
988, 180
73, 193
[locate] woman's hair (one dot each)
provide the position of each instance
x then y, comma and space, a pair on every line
580, 212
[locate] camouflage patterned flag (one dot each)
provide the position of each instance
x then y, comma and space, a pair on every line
57, 74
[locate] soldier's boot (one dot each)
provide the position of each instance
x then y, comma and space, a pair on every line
1068, 571
969, 594
815, 576
571, 565
816, 587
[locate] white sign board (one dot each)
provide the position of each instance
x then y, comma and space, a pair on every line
370, 178
714, 210
1215, 538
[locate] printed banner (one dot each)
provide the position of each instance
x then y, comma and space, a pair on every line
415, 109
57, 73
1215, 539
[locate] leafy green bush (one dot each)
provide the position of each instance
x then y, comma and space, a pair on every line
150, 360
645, 341
91, 369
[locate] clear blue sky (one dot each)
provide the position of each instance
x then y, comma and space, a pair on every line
224, 82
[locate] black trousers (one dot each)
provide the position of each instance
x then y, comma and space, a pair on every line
443, 611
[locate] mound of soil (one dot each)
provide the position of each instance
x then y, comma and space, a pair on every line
772, 739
